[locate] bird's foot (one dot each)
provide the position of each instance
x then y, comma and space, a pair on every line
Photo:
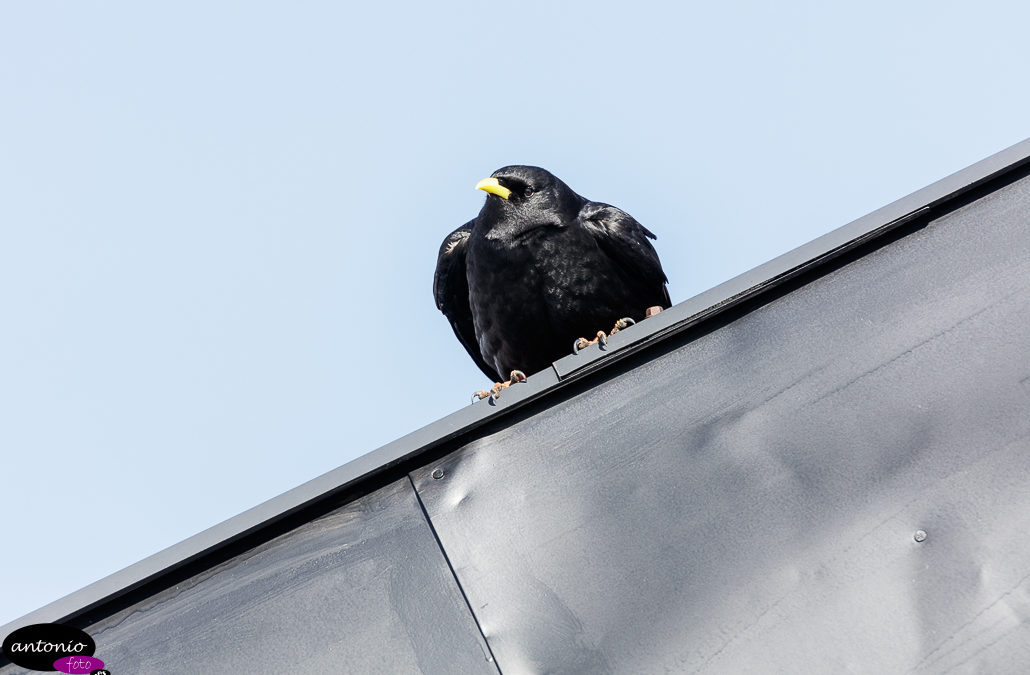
624, 322
583, 343
602, 337
495, 391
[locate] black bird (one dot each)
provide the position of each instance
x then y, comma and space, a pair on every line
539, 267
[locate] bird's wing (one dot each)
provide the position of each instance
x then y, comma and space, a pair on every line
451, 290
625, 241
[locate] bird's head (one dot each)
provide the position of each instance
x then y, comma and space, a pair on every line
521, 198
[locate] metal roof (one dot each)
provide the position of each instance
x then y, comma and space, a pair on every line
440, 447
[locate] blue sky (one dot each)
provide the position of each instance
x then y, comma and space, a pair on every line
219, 221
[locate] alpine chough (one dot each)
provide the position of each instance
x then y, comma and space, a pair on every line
539, 267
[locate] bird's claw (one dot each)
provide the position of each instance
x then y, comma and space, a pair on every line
624, 322
515, 377
582, 343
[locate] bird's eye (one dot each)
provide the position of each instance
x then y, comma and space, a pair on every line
527, 191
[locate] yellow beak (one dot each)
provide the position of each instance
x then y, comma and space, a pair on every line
493, 187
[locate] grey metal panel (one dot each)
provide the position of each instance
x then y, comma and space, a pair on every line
746, 501
363, 589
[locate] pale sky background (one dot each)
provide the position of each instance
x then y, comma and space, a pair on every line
219, 221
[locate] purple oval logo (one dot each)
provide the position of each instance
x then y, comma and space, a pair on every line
35, 647
78, 665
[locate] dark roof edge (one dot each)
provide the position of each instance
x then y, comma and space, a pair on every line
806, 257
378, 463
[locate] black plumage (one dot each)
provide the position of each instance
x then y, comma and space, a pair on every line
539, 267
